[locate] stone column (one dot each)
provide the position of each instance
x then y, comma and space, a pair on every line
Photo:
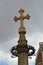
23, 58
23, 50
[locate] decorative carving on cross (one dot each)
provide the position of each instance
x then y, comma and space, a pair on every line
21, 17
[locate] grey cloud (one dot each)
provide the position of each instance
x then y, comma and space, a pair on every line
9, 8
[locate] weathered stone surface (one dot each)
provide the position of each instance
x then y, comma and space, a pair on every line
39, 58
40, 63
23, 58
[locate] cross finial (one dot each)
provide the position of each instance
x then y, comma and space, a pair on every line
21, 17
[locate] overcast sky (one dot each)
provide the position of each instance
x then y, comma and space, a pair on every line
9, 28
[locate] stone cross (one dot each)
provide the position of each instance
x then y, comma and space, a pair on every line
21, 17
22, 49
